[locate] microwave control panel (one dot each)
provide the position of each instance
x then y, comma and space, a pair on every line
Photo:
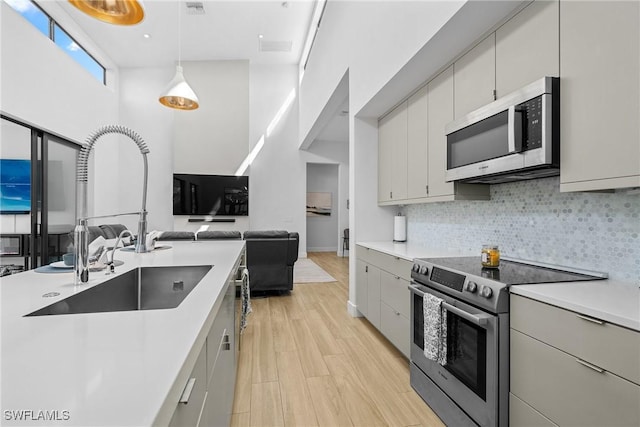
532, 122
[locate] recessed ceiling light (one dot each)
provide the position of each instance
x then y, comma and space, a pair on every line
260, 36
146, 36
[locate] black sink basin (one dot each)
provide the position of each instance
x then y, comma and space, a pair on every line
144, 288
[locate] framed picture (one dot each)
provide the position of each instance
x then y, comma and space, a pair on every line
318, 204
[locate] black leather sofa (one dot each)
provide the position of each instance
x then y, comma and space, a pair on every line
271, 255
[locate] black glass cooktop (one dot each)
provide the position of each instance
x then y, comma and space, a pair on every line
510, 272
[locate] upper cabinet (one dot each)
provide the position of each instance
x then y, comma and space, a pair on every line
474, 77
392, 155
412, 149
417, 161
527, 47
600, 96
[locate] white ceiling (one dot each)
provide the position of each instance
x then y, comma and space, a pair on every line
228, 30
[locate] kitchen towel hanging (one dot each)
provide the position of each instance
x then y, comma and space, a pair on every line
435, 329
399, 228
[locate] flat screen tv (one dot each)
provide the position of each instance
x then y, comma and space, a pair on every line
210, 195
15, 186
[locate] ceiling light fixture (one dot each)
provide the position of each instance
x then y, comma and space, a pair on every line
146, 36
178, 93
118, 12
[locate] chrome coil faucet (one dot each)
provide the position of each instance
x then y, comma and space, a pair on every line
81, 231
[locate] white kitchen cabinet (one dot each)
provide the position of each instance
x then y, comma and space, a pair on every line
417, 161
189, 408
392, 155
585, 372
527, 47
211, 385
440, 112
474, 76
600, 95
395, 310
383, 281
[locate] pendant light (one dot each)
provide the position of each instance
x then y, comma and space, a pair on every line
178, 93
118, 12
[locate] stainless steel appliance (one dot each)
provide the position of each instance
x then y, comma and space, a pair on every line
514, 138
472, 386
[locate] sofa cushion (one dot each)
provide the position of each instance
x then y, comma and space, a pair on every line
266, 234
218, 235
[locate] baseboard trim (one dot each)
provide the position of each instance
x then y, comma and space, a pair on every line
352, 309
322, 249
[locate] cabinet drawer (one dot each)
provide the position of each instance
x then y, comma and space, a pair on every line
188, 414
396, 328
611, 347
393, 264
394, 291
523, 415
362, 253
567, 391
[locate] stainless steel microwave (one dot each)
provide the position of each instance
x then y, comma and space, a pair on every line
514, 138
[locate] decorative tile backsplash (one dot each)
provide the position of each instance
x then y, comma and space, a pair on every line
532, 220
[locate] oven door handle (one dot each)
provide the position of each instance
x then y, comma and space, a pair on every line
477, 319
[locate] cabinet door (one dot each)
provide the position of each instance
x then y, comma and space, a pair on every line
527, 47
399, 153
417, 162
600, 96
361, 286
373, 296
567, 390
475, 77
440, 109
385, 158
188, 413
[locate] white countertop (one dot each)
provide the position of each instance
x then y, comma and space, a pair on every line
409, 251
608, 300
119, 369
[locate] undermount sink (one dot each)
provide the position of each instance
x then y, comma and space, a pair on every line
143, 288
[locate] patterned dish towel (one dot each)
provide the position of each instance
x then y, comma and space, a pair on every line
246, 299
435, 329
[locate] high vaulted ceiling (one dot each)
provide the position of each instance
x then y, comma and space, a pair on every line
228, 29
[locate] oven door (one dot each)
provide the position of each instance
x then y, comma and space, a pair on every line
470, 376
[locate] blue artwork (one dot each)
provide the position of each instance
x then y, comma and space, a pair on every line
15, 186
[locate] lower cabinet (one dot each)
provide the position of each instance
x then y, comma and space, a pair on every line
382, 294
207, 399
556, 378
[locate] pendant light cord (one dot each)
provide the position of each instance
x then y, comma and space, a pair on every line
179, 37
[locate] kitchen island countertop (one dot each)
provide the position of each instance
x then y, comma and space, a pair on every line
118, 368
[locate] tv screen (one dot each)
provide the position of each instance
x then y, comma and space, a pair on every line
210, 195
15, 186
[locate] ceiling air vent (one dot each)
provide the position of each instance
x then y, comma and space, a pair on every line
195, 8
275, 46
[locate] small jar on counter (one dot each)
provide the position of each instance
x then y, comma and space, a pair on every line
490, 256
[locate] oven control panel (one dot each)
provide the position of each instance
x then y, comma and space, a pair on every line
483, 292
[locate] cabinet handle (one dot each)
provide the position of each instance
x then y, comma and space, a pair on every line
186, 393
590, 319
366, 268
391, 194
397, 313
426, 187
397, 277
590, 366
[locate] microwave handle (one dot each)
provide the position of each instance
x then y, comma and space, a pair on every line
514, 122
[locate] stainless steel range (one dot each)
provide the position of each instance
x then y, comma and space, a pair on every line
469, 384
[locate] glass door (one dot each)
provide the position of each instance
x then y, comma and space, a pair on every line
43, 210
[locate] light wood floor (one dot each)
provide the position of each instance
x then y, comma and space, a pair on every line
304, 361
